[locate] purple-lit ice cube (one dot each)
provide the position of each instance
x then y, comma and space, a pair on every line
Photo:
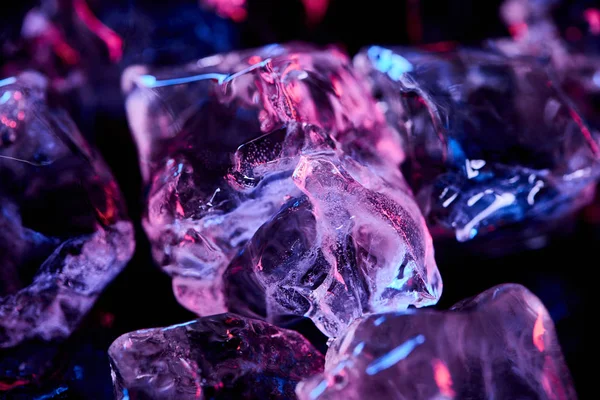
491, 141
499, 345
570, 43
64, 232
219, 357
350, 245
219, 143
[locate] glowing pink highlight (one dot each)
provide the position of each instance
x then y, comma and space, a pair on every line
232, 9
109, 37
315, 10
592, 16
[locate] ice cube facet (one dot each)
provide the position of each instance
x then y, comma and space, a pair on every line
500, 344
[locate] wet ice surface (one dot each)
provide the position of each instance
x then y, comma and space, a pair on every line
231, 143
490, 141
219, 357
500, 344
64, 233
350, 245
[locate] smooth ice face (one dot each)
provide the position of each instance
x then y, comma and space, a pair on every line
220, 141
500, 344
64, 234
351, 244
219, 357
491, 141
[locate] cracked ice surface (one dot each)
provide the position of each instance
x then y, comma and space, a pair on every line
350, 245
64, 233
491, 141
500, 344
218, 357
229, 144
